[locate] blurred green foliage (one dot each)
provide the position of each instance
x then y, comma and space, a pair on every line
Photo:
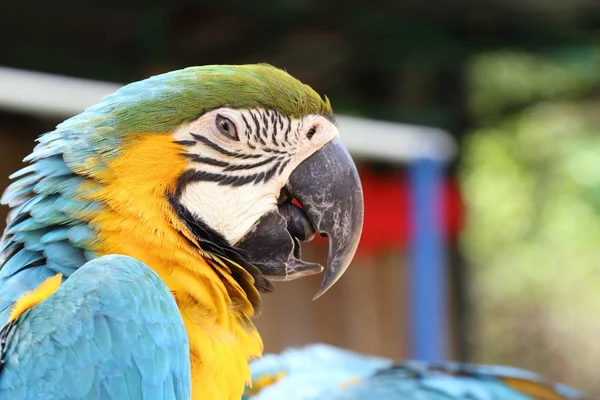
531, 181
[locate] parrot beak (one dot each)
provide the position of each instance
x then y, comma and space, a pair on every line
328, 187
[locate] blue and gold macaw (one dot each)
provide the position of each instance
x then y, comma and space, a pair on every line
324, 372
144, 230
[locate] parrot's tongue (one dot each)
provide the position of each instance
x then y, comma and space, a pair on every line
298, 223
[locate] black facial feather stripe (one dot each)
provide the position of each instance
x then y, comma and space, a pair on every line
272, 117
187, 143
263, 132
221, 150
248, 127
222, 180
263, 128
206, 160
227, 180
213, 145
256, 123
269, 150
247, 156
241, 167
279, 122
289, 128
269, 174
282, 167
260, 132
260, 126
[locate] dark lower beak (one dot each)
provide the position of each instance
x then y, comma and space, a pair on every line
328, 187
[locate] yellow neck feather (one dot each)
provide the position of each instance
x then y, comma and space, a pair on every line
138, 221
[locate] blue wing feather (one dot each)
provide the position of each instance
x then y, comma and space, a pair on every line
80, 235
22, 172
111, 331
55, 235
43, 230
51, 166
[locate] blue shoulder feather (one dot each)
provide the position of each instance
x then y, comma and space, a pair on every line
111, 331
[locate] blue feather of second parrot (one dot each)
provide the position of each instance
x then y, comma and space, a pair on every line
495, 372
491, 370
434, 388
313, 371
567, 391
317, 356
319, 372
398, 384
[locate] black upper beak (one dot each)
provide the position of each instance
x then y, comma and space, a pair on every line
328, 187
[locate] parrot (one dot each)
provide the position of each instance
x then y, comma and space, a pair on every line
324, 372
144, 231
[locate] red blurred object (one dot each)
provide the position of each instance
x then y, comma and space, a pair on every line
388, 211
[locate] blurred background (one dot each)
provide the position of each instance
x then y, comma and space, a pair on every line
482, 236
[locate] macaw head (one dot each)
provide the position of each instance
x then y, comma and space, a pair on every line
264, 140
221, 154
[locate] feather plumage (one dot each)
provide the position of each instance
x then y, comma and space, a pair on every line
98, 185
323, 372
117, 337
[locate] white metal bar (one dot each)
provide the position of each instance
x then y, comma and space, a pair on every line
61, 96
394, 142
49, 95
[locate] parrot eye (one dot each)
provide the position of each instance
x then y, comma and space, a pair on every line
227, 127
311, 132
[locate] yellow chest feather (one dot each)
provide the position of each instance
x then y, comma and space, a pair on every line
137, 221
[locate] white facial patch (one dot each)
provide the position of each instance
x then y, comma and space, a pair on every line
239, 167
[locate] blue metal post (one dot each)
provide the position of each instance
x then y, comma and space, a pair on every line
427, 299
